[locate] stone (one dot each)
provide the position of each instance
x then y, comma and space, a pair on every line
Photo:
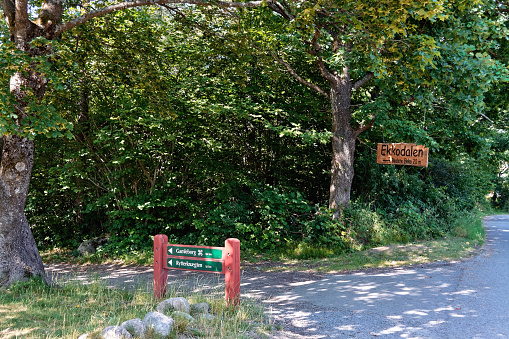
200, 308
181, 316
83, 336
136, 327
206, 316
182, 320
159, 323
174, 304
86, 248
90, 246
116, 332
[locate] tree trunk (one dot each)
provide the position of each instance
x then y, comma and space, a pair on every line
343, 145
19, 257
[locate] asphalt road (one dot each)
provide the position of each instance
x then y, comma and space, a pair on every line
468, 299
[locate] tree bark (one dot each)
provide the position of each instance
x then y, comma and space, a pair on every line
344, 136
343, 143
19, 257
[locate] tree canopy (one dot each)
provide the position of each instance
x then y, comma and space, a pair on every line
246, 119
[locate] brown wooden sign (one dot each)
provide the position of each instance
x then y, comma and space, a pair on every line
402, 154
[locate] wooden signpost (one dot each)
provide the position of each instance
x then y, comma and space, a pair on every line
402, 154
223, 260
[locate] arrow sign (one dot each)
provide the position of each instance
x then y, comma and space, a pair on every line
195, 251
197, 265
198, 258
402, 154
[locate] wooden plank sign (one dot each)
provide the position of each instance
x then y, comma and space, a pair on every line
402, 154
223, 260
194, 265
195, 251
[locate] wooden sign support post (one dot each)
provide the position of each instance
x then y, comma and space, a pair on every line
232, 271
160, 273
223, 260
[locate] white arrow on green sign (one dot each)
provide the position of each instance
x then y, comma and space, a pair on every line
196, 252
199, 265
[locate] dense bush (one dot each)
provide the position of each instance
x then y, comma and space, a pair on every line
200, 194
188, 138
267, 218
500, 194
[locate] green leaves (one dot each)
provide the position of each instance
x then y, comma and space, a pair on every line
40, 115
192, 129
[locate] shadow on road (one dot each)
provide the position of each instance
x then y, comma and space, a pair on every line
447, 300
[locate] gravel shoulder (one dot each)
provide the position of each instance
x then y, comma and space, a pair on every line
255, 282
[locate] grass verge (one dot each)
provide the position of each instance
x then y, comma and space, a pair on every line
34, 310
447, 249
67, 256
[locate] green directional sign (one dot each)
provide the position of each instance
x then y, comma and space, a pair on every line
197, 252
199, 265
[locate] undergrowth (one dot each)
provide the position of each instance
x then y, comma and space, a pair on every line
465, 235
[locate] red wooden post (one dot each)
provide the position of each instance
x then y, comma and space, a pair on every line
232, 271
160, 273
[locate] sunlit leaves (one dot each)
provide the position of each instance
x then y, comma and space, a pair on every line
41, 115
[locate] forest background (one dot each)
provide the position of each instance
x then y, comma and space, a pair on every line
191, 122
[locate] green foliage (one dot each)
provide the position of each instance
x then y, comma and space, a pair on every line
156, 149
500, 197
268, 219
192, 130
469, 226
304, 251
41, 115
399, 204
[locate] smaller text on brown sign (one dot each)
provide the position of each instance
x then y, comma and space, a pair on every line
402, 154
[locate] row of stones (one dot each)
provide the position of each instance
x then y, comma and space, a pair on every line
160, 324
